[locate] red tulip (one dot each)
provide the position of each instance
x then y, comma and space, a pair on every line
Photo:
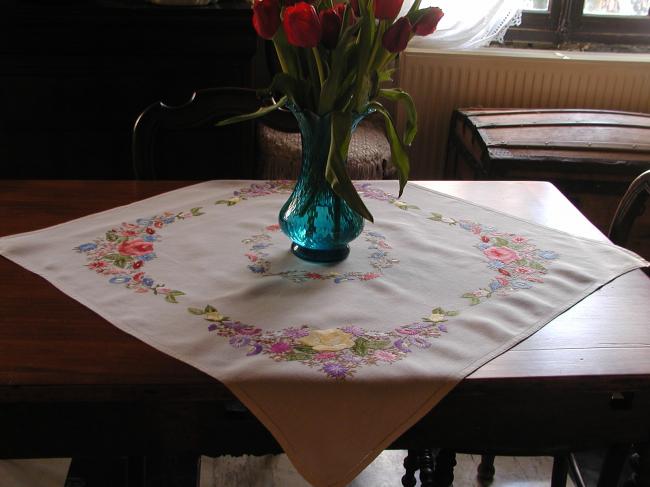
331, 25
387, 9
301, 25
428, 21
397, 36
266, 17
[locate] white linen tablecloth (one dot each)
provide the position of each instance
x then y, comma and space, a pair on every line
336, 360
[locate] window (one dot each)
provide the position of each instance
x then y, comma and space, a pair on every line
558, 22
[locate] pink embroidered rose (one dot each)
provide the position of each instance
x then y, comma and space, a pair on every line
502, 254
273, 228
385, 356
280, 347
135, 247
518, 239
524, 270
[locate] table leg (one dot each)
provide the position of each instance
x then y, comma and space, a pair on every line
485, 471
443, 476
560, 471
613, 464
425, 461
411, 464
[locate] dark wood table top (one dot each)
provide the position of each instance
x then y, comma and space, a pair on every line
53, 349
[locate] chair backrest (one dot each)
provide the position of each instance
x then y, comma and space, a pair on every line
183, 142
631, 206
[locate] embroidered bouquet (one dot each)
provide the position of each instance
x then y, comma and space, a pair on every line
334, 59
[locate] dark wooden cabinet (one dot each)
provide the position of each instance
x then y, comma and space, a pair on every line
74, 75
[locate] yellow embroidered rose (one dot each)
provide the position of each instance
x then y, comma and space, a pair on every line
437, 317
331, 340
214, 316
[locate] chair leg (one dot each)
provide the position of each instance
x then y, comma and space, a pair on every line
612, 468
560, 471
443, 475
485, 471
640, 463
574, 472
411, 464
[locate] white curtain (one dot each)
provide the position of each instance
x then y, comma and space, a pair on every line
469, 24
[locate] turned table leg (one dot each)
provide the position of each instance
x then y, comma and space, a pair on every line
411, 464
443, 475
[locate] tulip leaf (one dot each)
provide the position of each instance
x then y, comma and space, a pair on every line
342, 56
398, 156
335, 171
257, 114
401, 96
296, 90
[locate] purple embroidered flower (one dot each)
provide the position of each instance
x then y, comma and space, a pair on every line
296, 332
239, 341
404, 330
255, 349
212, 327
442, 328
280, 347
348, 356
257, 268
325, 356
402, 345
335, 370
86, 247
354, 330
421, 342
385, 356
421, 325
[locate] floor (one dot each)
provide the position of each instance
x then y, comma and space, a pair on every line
385, 471
277, 471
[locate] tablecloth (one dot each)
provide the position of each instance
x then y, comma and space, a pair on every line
337, 360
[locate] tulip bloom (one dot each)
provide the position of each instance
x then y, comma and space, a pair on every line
330, 21
301, 25
397, 36
387, 9
428, 21
266, 17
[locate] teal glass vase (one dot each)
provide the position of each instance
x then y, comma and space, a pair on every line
319, 223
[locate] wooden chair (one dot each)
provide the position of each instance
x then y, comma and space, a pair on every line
183, 142
436, 468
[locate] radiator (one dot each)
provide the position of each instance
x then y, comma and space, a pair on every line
506, 78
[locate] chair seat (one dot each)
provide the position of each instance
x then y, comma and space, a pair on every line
279, 153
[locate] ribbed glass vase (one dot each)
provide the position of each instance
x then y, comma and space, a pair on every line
319, 223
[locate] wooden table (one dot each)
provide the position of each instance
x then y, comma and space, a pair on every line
71, 384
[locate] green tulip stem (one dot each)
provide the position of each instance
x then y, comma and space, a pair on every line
319, 66
278, 50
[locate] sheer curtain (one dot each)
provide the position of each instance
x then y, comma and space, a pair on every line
469, 23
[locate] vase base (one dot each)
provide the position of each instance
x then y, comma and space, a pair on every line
318, 255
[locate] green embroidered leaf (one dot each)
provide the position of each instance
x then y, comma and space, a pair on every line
452, 313
360, 347
473, 299
536, 266
196, 311
297, 356
111, 236
171, 296
121, 261
501, 242
438, 311
197, 211
210, 309
437, 217
306, 349
521, 262
378, 344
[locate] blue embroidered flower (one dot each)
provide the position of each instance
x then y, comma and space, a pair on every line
494, 285
119, 279
496, 264
169, 220
146, 257
337, 371
519, 284
145, 222
402, 345
257, 268
147, 281
483, 245
375, 234
255, 349
86, 247
547, 254
260, 246
150, 238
